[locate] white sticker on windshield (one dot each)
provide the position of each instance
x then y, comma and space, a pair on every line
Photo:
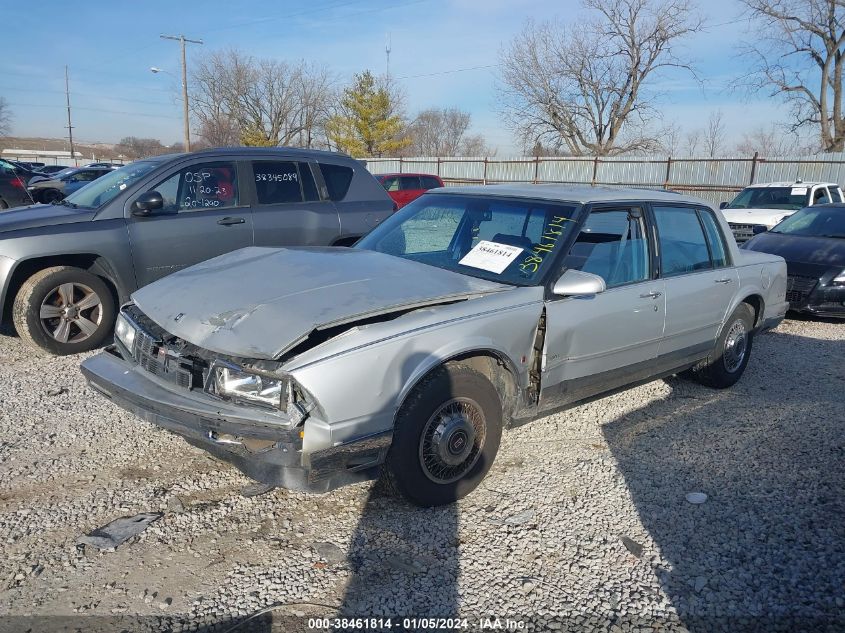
122, 186
491, 256
799, 191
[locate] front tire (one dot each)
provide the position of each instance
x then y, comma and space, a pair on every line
725, 366
64, 310
446, 437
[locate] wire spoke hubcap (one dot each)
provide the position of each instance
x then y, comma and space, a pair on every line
71, 313
736, 344
452, 440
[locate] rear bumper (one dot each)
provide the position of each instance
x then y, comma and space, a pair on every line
268, 453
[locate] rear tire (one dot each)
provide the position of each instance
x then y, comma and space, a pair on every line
726, 364
446, 437
64, 310
51, 196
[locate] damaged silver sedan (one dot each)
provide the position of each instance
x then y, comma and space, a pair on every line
470, 310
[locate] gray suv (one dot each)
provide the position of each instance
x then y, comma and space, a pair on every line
64, 267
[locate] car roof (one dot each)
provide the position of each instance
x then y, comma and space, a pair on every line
405, 173
791, 183
572, 193
271, 151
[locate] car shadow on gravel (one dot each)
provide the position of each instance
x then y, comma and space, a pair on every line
765, 551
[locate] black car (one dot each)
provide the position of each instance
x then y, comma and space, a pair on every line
812, 241
13, 191
52, 169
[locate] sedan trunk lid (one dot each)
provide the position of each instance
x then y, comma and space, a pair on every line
260, 302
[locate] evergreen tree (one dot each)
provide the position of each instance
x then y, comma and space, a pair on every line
367, 124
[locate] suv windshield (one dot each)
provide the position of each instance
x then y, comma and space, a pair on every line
506, 240
106, 188
815, 222
787, 198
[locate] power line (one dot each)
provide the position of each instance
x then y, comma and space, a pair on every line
449, 72
85, 94
53, 105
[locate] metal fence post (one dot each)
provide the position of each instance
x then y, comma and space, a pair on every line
753, 168
484, 174
400, 164
438, 165
595, 170
536, 168
668, 172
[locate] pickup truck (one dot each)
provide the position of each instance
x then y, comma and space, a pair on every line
469, 310
64, 268
758, 208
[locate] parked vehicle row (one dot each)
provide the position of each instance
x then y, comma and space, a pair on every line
65, 267
758, 208
405, 188
470, 310
52, 189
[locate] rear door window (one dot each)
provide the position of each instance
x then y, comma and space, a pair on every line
715, 239
683, 247
338, 178
836, 194
821, 196
410, 183
276, 182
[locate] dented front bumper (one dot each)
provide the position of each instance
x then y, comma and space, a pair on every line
263, 448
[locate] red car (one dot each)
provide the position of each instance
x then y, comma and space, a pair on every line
404, 188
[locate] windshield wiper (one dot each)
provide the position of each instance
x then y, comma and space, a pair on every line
65, 203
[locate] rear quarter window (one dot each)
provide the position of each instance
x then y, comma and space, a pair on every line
338, 178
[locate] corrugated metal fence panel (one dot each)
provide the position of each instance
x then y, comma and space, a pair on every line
714, 179
631, 171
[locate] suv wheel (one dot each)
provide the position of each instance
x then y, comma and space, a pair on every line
725, 366
64, 310
446, 437
51, 196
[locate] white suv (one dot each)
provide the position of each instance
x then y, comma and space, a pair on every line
759, 208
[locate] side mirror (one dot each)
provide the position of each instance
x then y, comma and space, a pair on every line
575, 282
146, 203
723, 205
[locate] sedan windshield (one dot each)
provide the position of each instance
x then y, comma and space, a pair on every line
105, 189
814, 222
507, 240
788, 198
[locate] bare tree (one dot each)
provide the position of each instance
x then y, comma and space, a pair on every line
5, 117
443, 132
584, 88
798, 56
240, 99
133, 147
713, 134
693, 142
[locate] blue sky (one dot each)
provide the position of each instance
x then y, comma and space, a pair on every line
109, 47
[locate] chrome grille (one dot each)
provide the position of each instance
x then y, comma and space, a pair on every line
798, 288
744, 232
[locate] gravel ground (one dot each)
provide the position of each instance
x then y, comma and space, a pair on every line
582, 523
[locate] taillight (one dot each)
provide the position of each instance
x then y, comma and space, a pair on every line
17, 182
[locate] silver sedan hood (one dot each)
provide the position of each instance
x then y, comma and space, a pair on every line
260, 302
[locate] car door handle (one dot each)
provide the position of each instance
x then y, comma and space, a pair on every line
229, 221
651, 295
724, 281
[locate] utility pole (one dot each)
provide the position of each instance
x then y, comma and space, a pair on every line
69, 126
182, 39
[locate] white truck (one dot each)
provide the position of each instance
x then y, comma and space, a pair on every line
758, 208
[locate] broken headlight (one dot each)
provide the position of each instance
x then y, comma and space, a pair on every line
238, 383
256, 387
124, 331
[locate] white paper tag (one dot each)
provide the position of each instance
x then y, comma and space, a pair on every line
491, 256
799, 191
